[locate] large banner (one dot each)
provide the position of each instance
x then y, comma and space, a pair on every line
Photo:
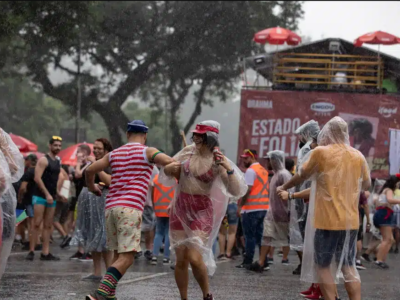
394, 151
268, 120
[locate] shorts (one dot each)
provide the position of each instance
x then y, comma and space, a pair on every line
332, 242
61, 212
360, 233
192, 212
231, 213
383, 217
149, 219
275, 234
72, 204
36, 200
29, 210
123, 228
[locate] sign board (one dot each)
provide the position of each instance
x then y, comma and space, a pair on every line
394, 151
268, 120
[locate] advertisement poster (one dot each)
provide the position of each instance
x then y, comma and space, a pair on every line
268, 120
394, 151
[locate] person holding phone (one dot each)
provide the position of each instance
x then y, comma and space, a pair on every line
206, 180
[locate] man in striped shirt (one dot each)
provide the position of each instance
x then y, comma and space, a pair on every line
132, 166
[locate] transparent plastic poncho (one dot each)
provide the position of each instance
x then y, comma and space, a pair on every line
11, 170
276, 223
307, 133
338, 173
201, 199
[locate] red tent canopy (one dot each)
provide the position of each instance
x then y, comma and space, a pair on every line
68, 155
277, 36
377, 38
23, 144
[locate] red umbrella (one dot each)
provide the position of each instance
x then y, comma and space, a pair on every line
68, 155
277, 36
377, 38
23, 144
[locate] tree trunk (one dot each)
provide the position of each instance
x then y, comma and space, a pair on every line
176, 140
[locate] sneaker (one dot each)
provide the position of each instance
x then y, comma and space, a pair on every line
285, 262
221, 257
49, 257
229, 257
92, 277
280, 253
309, 291
96, 296
65, 242
243, 266
148, 255
172, 267
297, 271
76, 256
365, 257
39, 247
270, 261
30, 256
166, 261
255, 267
138, 254
315, 295
360, 266
87, 257
209, 297
382, 265
154, 260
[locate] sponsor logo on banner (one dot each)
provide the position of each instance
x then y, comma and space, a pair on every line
322, 108
387, 112
263, 104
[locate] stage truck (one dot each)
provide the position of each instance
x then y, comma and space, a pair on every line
304, 86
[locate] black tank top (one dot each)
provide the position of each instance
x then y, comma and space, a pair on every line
50, 177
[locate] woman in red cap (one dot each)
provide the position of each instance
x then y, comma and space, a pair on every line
206, 180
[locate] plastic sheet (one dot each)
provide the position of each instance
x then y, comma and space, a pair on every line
201, 198
338, 172
90, 232
11, 170
307, 133
276, 223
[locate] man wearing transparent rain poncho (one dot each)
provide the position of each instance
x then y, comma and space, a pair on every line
11, 170
338, 173
205, 183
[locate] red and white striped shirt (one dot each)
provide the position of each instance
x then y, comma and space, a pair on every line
131, 173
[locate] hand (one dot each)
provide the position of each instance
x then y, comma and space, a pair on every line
95, 189
49, 199
173, 168
239, 210
368, 227
62, 198
279, 189
284, 195
79, 157
221, 160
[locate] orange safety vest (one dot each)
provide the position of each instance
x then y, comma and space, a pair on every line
163, 196
259, 194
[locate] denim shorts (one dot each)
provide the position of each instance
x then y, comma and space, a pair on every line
231, 213
383, 217
36, 200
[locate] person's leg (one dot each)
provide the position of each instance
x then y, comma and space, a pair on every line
37, 221
108, 258
387, 240
263, 254
271, 253
47, 227
231, 239
166, 239
199, 270
160, 229
182, 270
149, 238
300, 255
249, 231
222, 240
259, 227
328, 290
60, 228
397, 238
96, 263
285, 251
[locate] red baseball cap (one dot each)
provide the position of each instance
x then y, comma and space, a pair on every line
202, 129
249, 153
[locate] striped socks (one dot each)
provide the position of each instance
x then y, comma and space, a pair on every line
108, 285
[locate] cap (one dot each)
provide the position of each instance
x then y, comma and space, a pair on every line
137, 126
31, 157
202, 129
249, 153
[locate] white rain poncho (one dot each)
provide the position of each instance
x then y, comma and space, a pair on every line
276, 223
338, 173
11, 170
307, 133
201, 198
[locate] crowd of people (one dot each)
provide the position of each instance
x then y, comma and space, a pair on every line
187, 204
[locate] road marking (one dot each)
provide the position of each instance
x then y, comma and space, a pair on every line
143, 278
47, 274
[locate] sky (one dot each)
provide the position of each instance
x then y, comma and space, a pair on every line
350, 19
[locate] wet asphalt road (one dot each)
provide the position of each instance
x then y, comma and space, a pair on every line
61, 280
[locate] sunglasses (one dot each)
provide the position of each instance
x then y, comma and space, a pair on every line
57, 138
249, 151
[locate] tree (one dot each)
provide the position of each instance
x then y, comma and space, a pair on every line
123, 46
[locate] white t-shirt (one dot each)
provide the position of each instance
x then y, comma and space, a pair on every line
149, 201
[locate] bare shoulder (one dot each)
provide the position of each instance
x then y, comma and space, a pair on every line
43, 161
